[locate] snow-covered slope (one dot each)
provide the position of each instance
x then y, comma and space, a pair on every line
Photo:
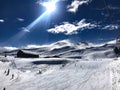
2, 50
62, 66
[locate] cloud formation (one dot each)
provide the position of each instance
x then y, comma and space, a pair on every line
69, 29
20, 19
110, 7
46, 2
75, 4
111, 27
10, 48
2, 21
73, 28
25, 29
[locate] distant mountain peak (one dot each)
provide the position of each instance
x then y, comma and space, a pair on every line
63, 42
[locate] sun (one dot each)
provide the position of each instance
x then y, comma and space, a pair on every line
50, 6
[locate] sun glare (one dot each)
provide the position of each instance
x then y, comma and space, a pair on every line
50, 6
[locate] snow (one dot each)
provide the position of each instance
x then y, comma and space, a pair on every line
97, 69
10, 48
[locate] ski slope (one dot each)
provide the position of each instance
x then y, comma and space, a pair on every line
78, 66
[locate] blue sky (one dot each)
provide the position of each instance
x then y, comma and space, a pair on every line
78, 20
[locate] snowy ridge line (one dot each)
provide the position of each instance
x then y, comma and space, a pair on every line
92, 67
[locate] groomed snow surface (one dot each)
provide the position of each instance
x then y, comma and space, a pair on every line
78, 66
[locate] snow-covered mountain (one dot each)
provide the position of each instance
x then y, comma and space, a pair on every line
68, 49
62, 65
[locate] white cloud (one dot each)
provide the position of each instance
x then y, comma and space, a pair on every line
73, 28
10, 48
44, 3
25, 29
110, 7
2, 21
68, 28
33, 46
111, 27
20, 19
75, 4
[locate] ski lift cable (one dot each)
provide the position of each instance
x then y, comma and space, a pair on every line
107, 9
108, 12
110, 17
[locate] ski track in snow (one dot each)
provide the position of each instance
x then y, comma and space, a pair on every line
101, 75
115, 75
97, 69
